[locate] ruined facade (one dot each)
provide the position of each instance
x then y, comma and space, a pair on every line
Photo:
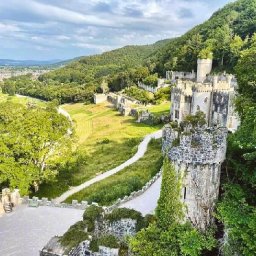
198, 152
214, 95
197, 155
161, 83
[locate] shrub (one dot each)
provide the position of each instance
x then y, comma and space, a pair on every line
75, 235
91, 214
105, 240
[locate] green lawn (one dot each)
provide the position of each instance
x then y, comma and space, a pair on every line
130, 179
21, 100
161, 109
157, 110
104, 140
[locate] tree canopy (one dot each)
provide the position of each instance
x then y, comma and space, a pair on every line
31, 142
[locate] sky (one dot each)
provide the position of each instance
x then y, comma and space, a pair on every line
64, 29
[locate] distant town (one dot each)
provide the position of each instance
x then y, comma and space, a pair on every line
8, 72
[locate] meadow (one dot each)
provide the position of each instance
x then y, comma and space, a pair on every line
103, 140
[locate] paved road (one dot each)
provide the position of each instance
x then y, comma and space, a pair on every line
27, 230
147, 202
142, 148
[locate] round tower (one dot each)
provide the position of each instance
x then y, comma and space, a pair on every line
204, 67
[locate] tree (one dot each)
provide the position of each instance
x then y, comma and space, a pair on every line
245, 71
32, 141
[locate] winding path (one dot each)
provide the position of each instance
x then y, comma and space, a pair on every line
142, 148
146, 203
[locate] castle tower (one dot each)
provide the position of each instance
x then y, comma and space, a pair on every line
198, 158
204, 67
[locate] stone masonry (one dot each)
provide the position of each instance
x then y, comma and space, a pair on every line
197, 157
213, 95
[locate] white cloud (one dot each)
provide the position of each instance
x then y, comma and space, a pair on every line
85, 26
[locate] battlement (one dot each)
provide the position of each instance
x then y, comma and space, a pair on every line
201, 146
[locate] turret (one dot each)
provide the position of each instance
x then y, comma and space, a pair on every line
204, 67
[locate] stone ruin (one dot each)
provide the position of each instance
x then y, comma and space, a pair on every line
197, 154
119, 228
9, 200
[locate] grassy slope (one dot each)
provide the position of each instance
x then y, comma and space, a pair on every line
94, 124
132, 178
21, 100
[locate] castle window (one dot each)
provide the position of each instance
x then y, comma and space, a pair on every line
187, 99
205, 100
185, 193
198, 108
177, 114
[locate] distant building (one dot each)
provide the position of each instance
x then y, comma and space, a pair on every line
212, 94
161, 83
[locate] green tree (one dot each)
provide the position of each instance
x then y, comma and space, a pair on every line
32, 141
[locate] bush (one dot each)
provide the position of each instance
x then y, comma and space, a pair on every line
91, 214
105, 240
75, 235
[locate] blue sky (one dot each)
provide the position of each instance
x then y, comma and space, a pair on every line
63, 29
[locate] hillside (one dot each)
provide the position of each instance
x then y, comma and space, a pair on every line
221, 34
91, 68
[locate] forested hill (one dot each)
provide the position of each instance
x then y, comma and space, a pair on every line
90, 68
221, 34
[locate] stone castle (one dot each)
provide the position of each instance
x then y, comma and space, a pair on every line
198, 158
198, 152
211, 94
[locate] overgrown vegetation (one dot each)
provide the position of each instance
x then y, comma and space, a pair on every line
85, 230
75, 235
146, 97
240, 169
130, 179
167, 236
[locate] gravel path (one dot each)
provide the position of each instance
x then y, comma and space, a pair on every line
147, 202
142, 148
27, 230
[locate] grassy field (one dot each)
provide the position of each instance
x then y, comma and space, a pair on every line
20, 99
132, 178
162, 109
157, 110
104, 140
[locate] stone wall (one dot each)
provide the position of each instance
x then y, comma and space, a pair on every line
83, 250
133, 194
99, 98
197, 156
36, 202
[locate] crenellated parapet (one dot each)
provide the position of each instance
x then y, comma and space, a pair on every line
197, 154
